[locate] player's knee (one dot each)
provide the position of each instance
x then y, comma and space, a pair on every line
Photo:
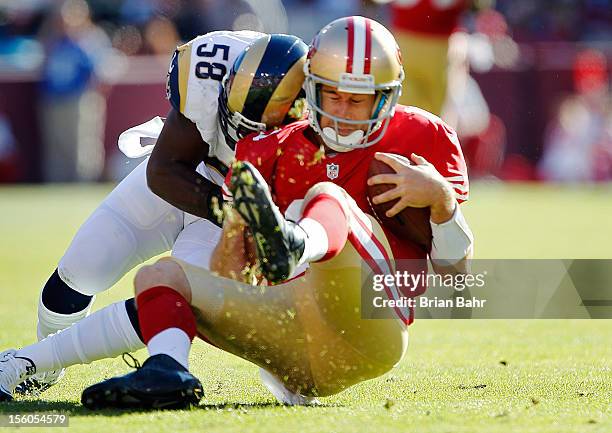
325, 188
95, 261
165, 272
85, 279
330, 189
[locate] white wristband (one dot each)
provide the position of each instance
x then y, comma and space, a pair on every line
452, 240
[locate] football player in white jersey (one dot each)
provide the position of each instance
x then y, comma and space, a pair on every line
222, 86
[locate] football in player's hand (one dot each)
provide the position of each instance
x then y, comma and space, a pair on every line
411, 223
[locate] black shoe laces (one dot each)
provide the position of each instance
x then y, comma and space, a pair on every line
131, 361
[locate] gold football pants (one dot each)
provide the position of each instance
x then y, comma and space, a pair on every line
308, 332
425, 65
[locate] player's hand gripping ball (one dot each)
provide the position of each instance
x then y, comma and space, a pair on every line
411, 223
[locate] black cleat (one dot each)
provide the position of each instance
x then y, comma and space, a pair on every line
31, 386
39, 383
279, 243
161, 383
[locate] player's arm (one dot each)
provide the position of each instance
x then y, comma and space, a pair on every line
453, 241
171, 171
440, 184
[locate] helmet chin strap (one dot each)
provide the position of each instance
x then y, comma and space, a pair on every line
341, 143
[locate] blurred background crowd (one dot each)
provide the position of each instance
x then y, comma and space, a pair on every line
526, 83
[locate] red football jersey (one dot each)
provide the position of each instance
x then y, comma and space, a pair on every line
433, 17
291, 163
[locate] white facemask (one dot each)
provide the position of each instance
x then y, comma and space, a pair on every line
222, 150
332, 139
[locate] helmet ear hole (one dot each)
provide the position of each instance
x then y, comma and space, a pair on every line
318, 89
382, 98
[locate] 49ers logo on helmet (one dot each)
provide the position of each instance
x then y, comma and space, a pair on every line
313, 46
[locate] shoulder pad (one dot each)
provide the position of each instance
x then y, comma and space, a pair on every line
176, 81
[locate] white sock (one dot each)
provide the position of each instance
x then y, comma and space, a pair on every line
173, 342
282, 394
316, 243
107, 333
49, 322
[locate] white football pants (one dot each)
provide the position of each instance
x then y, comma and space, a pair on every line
130, 226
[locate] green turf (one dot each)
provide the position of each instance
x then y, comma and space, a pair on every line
557, 375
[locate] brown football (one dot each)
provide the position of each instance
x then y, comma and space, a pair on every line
411, 223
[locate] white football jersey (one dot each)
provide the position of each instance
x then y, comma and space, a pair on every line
194, 78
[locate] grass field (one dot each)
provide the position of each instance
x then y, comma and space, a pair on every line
556, 376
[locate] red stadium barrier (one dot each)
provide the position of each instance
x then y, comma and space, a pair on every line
524, 100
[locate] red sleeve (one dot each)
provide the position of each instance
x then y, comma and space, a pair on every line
447, 157
260, 150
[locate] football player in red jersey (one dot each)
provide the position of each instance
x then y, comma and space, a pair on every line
422, 29
339, 98
308, 333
